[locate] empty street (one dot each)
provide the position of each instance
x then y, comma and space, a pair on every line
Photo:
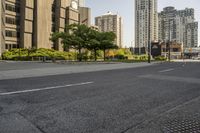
92, 98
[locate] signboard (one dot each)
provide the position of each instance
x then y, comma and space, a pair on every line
155, 49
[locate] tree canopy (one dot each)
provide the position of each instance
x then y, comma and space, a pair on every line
82, 37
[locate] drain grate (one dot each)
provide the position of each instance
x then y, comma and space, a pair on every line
182, 126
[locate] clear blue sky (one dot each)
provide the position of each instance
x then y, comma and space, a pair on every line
125, 8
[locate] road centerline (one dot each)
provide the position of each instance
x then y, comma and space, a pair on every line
43, 89
167, 70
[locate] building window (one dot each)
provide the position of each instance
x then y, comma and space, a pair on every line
7, 46
12, 8
11, 46
13, 21
175, 49
53, 28
10, 33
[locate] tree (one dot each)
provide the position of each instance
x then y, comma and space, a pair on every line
65, 37
80, 38
75, 36
107, 41
93, 43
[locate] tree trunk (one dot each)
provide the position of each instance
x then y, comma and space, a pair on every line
104, 54
95, 54
79, 55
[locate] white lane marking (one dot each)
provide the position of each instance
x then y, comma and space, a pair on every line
167, 70
46, 88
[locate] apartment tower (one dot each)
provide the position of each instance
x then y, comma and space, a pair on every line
142, 29
82, 3
111, 22
179, 26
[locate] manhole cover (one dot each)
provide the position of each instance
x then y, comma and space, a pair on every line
182, 126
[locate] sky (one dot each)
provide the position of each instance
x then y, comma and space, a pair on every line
125, 8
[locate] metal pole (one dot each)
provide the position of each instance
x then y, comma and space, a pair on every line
169, 40
149, 34
165, 49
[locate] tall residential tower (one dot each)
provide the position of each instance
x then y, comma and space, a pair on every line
81, 3
111, 22
142, 29
179, 26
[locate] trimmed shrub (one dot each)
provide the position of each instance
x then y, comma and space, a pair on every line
160, 58
26, 54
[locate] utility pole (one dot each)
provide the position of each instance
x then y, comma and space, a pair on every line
169, 54
149, 33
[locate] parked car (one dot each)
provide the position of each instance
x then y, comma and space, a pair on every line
196, 58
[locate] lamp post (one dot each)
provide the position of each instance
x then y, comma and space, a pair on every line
170, 40
149, 33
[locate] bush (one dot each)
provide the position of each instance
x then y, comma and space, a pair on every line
121, 57
160, 58
140, 57
26, 54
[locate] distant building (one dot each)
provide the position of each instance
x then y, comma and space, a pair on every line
94, 27
81, 3
85, 16
191, 34
111, 22
171, 50
179, 26
142, 21
176, 50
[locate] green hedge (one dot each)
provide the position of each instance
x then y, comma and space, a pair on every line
140, 57
29, 54
160, 58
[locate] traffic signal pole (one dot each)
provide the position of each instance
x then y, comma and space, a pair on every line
149, 33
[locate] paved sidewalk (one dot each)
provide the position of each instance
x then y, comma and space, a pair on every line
24, 70
186, 60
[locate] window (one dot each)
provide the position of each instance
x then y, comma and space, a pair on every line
175, 49
10, 33
11, 46
12, 8
7, 46
13, 21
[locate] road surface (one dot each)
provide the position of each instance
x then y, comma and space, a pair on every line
161, 98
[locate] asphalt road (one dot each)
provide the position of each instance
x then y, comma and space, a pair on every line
162, 98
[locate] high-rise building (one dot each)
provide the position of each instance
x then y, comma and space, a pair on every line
191, 34
29, 23
82, 3
166, 22
179, 26
111, 22
142, 13
85, 16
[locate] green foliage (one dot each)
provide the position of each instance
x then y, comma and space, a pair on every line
160, 58
82, 37
140, 57
26, 54
121, 57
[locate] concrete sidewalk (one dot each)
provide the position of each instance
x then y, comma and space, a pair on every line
38, 70
186, 60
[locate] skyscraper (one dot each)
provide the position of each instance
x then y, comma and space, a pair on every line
142, 29
82, 3
111, 22
85, 16
179, 26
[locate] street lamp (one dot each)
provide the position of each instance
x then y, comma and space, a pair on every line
170, 40
149, 33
